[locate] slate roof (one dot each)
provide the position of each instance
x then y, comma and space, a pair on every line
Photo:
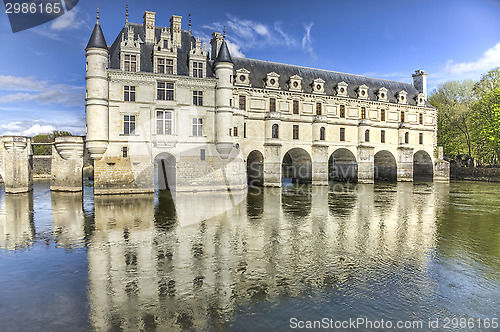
259, 70
146, 65
97, 38
224, 55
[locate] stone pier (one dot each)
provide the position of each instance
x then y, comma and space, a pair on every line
67, 164
16, 164
441, 167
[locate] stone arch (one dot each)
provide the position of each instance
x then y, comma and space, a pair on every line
385, 166
255, 168
342, 166
166, 171
422, 165
297, 166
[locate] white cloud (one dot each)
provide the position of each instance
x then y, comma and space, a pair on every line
32, 127
249, 34
37, 129
234, 49
31, 89
467, 70
70, 20
306, 40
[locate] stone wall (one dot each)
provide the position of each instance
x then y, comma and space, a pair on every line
42, 166
491, 174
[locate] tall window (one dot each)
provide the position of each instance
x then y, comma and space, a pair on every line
342, 111
322, 134
421, 118
130, 63
272, 105
197, 127
295, 131
382, 136
382, 115
295, 107
402, 116
243, 102
367, 135
165, 66
342, 134
407, 137
198, 98
363, 112
318, 108
420, 138
275, 131
129, 93
245, 130
235, 131
165, 91
124, 152
164, 122
197, 69
129, 124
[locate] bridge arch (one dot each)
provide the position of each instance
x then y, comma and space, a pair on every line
385, 166
342, 166
422, 166
297, 166
166, 171
255, 168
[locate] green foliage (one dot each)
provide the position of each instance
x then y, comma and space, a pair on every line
488, 82
485, 117
47, 138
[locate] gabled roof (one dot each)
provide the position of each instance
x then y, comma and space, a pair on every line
259, 70
224, 55
97, 38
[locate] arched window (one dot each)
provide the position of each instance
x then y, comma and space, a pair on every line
276, 131
367, 135
322, 133
407, 137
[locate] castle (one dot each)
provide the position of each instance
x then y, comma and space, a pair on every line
209, 121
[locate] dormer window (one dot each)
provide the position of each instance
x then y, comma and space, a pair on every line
295, 83
420, 99
272, 80
164, 66
198, 69
382, 94
342, 89
242, 77
402, 97
318, 86
363, 92
130, 63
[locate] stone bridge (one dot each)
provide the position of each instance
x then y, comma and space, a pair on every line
16, 163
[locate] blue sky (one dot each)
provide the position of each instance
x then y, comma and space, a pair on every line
42, 85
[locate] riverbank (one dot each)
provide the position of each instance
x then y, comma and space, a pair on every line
485, 174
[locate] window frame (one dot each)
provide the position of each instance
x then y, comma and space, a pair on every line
295, 107
295, 132
342, 134
129, 125
421, 138
275, 131
166, 92
382, 114
129, 93
363, 113
319, 108
322, 134
382, 136
197, 127
197, 98
342, 111
198, 69
164, 120
130, 63
242, 99
272, 104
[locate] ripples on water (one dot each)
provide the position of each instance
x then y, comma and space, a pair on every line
248, 262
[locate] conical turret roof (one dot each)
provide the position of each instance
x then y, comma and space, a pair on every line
97, 38
224, 55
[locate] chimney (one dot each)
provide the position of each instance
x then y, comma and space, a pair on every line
175, 30
216, 42
420, 81
149, 26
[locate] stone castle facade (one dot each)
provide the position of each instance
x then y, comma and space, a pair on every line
211, 121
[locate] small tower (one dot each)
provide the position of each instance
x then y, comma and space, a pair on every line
420, 81
96, 106
216, 43
223, 101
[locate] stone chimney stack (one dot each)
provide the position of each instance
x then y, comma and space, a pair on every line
175, 29
149, 26
420, 81
216, 42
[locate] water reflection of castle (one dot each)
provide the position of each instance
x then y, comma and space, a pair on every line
145, 270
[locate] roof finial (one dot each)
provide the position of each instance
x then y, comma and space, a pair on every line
224, 31
189, 22
97, 16
126, 13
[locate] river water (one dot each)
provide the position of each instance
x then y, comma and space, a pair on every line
266, 260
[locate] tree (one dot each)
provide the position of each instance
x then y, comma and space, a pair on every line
47, 138
486, 125
488, 82
453, 100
